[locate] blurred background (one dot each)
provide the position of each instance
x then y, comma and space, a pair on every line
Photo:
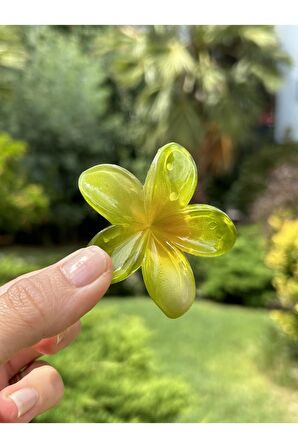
75, 96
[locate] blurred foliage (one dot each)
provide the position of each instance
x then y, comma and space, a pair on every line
281, 192
83, 95
252, 180
240, 276
203, 86
12, 59
282, 257
22, 203
18, 260
61, 108
279, 355
287, 323
118, 381
11, 49
11, 266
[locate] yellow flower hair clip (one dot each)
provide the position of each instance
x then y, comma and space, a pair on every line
152, 224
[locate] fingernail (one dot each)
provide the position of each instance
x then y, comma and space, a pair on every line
61, 337
86, 266
24, 399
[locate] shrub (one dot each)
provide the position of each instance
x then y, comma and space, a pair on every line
287, 323
240, 276
283, 259
111, 376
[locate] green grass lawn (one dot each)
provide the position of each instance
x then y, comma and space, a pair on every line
218, 351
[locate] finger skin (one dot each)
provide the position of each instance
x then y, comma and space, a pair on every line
49, 386
44, 304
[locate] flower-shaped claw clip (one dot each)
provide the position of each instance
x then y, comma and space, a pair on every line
153, 224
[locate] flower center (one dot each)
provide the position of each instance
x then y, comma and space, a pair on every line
164, 226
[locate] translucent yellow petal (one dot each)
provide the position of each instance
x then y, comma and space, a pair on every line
200, 229
168, 278
126, 248
113, 192
171, 180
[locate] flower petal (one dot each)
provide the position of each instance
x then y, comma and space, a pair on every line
113, 192
168, 278
201, 229
171, 180
126, 248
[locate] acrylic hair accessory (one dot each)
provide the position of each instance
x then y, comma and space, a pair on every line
153, 224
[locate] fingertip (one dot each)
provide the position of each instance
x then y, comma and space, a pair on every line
56, 382
85, 266
40, 389
8, 410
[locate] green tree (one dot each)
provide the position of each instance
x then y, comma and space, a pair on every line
203, 86
22, 203
12, 59
60, 108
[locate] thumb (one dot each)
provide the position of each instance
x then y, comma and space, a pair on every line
44, 303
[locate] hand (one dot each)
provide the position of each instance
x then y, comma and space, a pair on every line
39, 314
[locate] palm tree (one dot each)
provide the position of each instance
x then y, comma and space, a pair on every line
202, 86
